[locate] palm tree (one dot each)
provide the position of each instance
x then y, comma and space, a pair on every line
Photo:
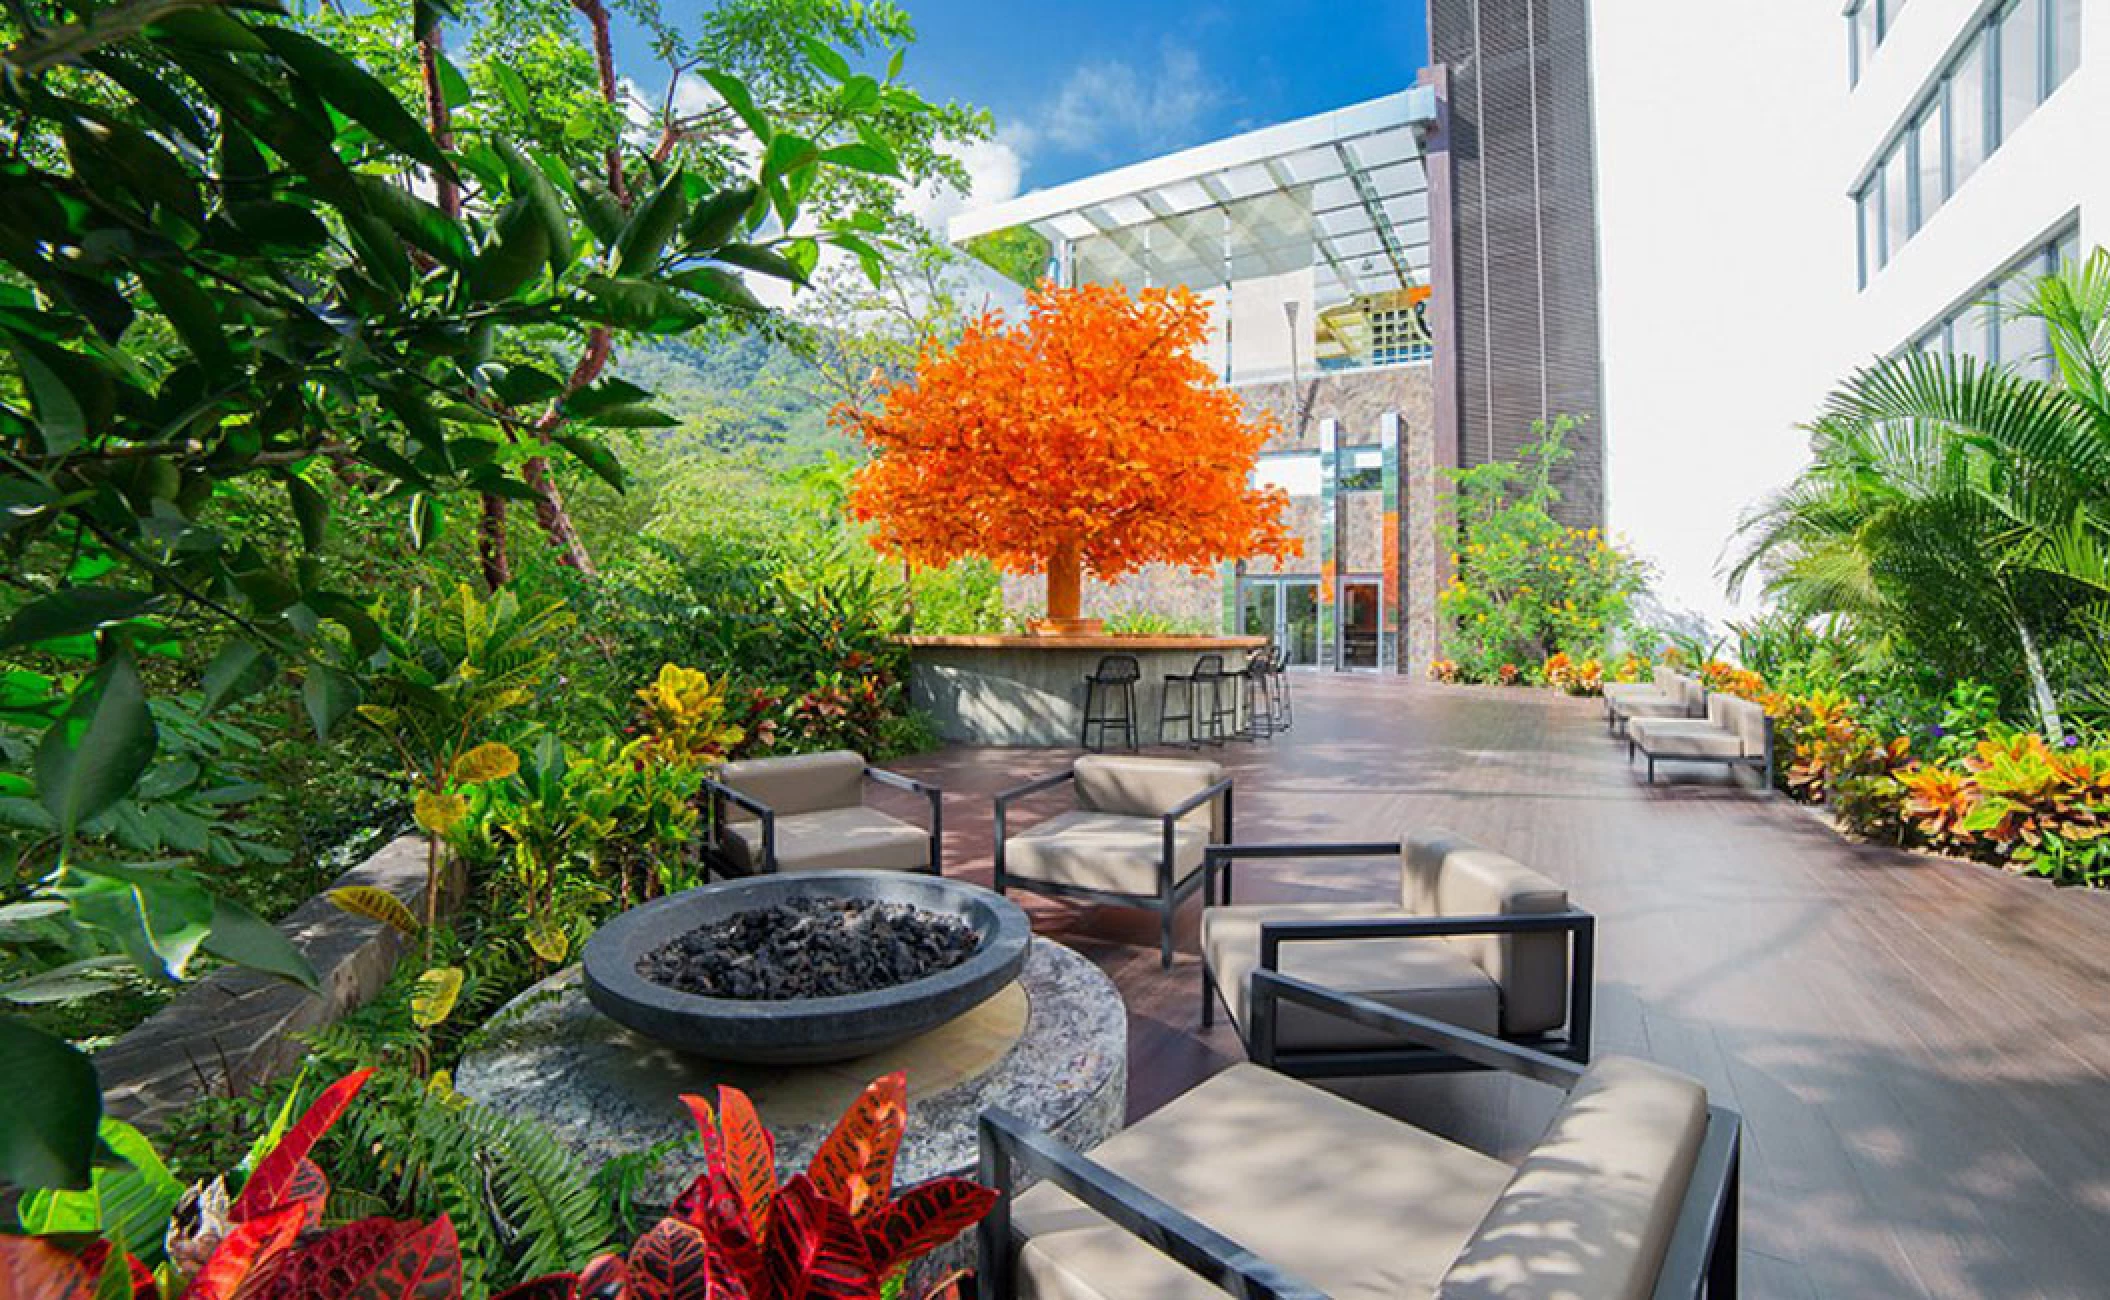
1958, 510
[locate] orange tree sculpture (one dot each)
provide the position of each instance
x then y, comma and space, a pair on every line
1086, 437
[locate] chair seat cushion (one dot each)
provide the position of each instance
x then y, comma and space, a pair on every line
834, 839
1111, 852
1684, 738
1591, 1208
1350, 1201
1430, 977
1619, 692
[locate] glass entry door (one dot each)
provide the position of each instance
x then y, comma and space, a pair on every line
1362, 611
1285, 611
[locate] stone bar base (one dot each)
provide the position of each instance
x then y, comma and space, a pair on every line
1029, 690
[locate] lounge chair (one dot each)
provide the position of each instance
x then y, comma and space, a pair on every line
1735, 731
1262, 1186
1137, 836
1682, 696
806, 812
1475, 939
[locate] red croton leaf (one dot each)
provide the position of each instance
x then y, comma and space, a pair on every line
706, 1131
923, 1218
278, 1173
750, 1156
603, 1278
248, 1257
671, 1262
30, 1266
816, 1251
854, 1167
309, 1188
422, 1265
328, 1267
553, 1286
97, 1256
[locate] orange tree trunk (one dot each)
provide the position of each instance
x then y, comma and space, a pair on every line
1065, 581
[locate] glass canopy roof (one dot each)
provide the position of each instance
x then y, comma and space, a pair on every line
1343, 193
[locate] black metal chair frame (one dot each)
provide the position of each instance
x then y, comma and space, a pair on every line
1571, 1043
1101, 688
724, 794
1256, 680
1171, 892
1193, 682
1700, 1260
1278, 684
1763, 764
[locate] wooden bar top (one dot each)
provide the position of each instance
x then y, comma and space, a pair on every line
1103, 641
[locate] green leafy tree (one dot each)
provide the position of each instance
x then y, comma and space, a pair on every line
1527, 586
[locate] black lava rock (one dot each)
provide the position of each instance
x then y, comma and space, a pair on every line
810, 948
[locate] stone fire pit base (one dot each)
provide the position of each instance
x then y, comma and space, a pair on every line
1052, 1048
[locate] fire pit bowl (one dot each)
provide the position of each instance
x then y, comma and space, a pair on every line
801, 1031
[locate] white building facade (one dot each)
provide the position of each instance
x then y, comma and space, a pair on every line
1788, 190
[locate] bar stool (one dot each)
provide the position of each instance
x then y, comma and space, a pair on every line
1114, 679
1255, 684
1278, 687
1208, 671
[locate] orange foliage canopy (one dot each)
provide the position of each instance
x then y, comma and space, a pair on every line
1091, 424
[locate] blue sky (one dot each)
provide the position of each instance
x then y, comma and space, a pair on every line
1078, 86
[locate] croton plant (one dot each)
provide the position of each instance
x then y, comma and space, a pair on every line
837, 1231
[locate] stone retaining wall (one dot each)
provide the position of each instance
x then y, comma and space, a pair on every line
236, 1029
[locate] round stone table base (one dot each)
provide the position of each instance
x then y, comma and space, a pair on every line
1052, 1049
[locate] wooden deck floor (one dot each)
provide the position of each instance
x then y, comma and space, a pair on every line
1921, 1050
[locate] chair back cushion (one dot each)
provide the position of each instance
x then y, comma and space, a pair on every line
1744, 717
798, 783
1148, 787
1590, 1211
1445, 875
1667, 682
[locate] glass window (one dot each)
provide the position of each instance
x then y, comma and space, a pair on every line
2021, 63
1862, 34
2023, 340
1969, 334
1865, 225
2068, 253
1897, 202
2065, 40
1933, 342
1932, 175
1967, 113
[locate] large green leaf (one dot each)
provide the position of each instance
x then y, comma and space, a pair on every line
238, 669
240, 936
354, 90
328, 696
191, 311
47, 1127
91, 757
741, 100
530, 183
421, 224
517, 252
128, 1202
71, 611
157, 914
640, 305
714, 221
768, 261
862, 157
654, 222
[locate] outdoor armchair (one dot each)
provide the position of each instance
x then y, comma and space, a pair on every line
1682, 696
806, 812
1268, 1188
1476, 939
1735, 731
1137, 837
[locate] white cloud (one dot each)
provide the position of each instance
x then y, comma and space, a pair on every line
1112, 104
994, 167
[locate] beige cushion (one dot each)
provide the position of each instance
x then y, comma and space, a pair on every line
1684, 738
1148, 787
1105, 851
1591, 1209
1356, 1204
1623, 692
798, 783
1746, 718
1426, 976
1444, 875
834, 839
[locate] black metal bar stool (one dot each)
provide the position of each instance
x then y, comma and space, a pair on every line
1255, 683
1208, 671
1278, 688
1114, 679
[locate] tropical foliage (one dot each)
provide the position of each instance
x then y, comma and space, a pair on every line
1086, 437
1524, 586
